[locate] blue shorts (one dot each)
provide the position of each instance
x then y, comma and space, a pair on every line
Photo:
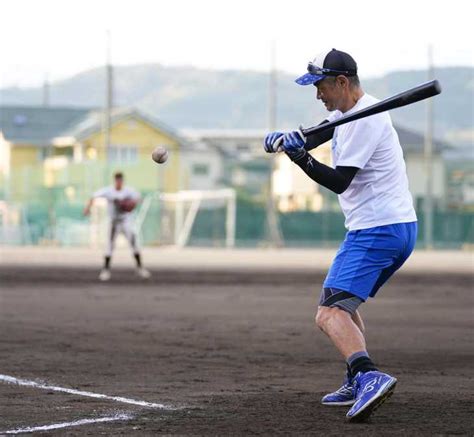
368, 257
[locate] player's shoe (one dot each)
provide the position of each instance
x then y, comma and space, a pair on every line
345, 395
143, 273
105, 275
373, 389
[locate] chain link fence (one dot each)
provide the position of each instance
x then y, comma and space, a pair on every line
39, 206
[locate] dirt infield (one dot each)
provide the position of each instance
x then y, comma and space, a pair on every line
234, 353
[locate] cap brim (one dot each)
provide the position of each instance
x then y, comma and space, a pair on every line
309, 79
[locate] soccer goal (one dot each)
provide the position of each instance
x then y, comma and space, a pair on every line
184, 217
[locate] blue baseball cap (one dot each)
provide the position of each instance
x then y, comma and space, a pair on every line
329, 63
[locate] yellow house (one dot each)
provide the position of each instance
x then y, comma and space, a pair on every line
54, 147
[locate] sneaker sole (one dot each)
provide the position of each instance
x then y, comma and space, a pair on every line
364, 414
339, 404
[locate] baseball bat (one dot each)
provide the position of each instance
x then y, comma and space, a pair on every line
413, 95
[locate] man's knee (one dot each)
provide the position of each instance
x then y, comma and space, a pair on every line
326, 315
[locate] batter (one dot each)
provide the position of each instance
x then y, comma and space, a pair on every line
369, 176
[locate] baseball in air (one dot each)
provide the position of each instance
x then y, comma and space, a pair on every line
160, 155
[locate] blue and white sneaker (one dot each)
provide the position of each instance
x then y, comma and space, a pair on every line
346, 395
373, 389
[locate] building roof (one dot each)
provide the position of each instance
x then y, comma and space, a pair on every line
93, 122
225, 134
414, 142
43, 126
461, 153
37, 125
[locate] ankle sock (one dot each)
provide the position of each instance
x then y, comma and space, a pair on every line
360, 362
138, 260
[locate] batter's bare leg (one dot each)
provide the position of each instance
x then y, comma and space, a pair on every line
344, 332
357, 319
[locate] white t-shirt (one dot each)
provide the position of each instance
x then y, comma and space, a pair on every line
378, 195
112, 195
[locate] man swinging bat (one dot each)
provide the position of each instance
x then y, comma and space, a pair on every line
369, 175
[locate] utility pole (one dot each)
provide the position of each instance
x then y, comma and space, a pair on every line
108, 106
428, 155
272, 90
50, 154
45, 104
46, 91
273, 227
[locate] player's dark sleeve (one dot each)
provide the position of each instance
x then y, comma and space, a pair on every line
335, 179
313, 141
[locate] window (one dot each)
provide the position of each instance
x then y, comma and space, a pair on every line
122, 153
43, 153
132, 124
20, 120
200, 169
241, 147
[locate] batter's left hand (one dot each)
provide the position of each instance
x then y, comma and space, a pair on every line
271, 143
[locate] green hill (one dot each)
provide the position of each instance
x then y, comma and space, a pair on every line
188, 97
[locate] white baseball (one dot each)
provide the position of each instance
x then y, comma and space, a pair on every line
160, 155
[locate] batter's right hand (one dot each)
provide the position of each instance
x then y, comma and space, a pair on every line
272, 142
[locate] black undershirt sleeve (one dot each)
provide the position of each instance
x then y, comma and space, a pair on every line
335, 179
313, 141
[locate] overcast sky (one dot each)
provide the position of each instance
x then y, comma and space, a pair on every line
59, 38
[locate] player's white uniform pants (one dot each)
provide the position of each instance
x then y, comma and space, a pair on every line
125, 227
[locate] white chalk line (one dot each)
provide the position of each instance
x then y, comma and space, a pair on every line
27, 383
122, 417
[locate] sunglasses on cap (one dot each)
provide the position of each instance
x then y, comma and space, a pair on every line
314, 69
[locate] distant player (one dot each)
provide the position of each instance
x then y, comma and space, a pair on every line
369, 175
122, 201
